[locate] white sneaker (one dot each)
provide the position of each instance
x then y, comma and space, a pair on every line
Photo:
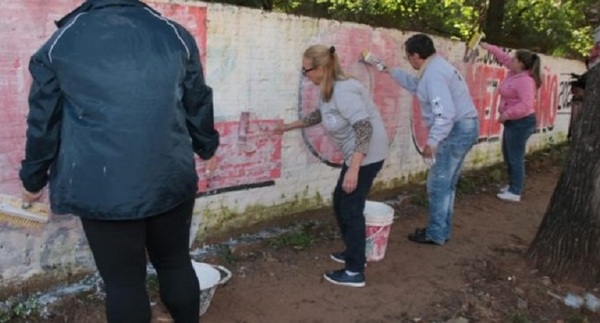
504, 189
508, 196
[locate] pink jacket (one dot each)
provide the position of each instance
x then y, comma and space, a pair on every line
517, 91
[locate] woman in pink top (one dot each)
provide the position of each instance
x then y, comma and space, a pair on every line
517, 98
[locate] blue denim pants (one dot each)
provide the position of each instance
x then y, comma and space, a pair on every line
443, 177
514, 142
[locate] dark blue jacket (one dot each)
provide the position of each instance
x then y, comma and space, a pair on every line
118, 106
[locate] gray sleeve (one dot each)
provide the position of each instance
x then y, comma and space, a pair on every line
443, 109
363, 130
312, 118
405, 80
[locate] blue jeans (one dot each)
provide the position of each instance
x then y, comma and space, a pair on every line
349, 212
443, 176
514, 142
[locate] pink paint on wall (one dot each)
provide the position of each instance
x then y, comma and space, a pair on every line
242, 163
24, 26
547, 101
193, 18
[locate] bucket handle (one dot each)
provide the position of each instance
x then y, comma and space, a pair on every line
227, 272
375, 233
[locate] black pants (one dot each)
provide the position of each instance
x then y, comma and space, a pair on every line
349, 209
119, 249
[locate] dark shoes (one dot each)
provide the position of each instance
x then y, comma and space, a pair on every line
420, 236
338, 257
340, 277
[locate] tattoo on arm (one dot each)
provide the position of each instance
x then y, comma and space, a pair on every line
312, 119
364, 130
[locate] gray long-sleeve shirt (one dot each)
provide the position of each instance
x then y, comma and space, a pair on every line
351, 104
443, 95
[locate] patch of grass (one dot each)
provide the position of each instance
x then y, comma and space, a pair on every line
467, 186
299, 240
577, 318
23, 309
228, 257
497, 175
519, 317
152, 282
420, 197
5, 316
556, 153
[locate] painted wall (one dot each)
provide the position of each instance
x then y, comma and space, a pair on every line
252, 61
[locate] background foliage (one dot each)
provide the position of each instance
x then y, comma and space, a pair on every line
555, 27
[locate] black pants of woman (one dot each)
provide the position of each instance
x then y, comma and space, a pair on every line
119, 249
349, 209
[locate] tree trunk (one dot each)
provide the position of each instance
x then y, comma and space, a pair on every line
493, 22
267, 5
567, 244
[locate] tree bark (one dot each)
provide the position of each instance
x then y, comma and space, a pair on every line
267, 5
567, 244
493, 23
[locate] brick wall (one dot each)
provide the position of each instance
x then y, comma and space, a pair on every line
252, 60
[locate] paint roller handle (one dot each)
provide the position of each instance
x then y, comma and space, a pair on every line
369, 59
211, 165
28, 198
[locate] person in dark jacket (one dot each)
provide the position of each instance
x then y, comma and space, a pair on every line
118, 106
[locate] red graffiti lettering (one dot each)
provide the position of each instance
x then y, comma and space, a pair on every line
547, 102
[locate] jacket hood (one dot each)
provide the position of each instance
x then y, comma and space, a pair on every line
90, 5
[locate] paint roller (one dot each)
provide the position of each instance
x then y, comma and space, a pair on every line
16, 211
471, 51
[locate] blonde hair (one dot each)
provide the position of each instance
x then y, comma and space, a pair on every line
321, 55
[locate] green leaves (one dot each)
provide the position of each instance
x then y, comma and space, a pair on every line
556, 27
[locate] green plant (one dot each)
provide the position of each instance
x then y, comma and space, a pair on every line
18, 309
297, 240
152, 282
227, 256
577, 318
497, 175
467, 185
5, 316
420, 199
26, 308
519, 317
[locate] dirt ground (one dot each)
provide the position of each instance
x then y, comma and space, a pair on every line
481, 275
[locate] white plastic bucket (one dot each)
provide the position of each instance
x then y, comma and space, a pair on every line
209, 277
378, 218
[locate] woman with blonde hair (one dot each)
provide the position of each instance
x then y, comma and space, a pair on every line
352, 120
517, 114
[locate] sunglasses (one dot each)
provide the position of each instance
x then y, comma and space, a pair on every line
305, 71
